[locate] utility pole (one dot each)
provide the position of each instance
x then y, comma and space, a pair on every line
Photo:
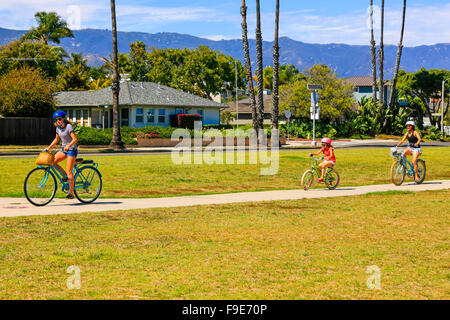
442, 105
236, 94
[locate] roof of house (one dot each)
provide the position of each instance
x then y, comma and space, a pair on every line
245, 107
135, 93
362, 81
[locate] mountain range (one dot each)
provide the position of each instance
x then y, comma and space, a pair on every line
346, 60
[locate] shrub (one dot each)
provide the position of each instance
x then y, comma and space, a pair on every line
25, 93
92, 136
433, 133
187, 120
304, 130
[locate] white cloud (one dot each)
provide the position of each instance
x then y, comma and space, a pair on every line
19, 14
178, 14
218, 37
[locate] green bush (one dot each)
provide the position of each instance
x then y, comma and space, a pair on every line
433, 133
304, 130
91, 136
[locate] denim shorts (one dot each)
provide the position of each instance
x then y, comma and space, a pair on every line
70, 153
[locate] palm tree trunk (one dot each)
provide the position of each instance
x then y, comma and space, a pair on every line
374, 58
259, 64
248, 66
116, 142
381, 56
397, 62
276, 62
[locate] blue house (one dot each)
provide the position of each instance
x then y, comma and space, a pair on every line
362, 87
140, 104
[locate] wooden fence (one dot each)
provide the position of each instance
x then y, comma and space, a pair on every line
26, 131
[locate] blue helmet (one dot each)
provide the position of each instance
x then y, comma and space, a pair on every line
58, 114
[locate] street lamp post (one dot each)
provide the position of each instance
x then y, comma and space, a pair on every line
442, 105
236, 94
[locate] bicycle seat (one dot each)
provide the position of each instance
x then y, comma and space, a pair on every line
81, 160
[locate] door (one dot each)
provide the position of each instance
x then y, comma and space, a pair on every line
125, 117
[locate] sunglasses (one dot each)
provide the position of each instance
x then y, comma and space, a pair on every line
57, 119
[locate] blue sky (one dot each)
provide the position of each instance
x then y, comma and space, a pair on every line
320, 21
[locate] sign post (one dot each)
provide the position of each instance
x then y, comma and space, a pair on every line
288, 115
315, 111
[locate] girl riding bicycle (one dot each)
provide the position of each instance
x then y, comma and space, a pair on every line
69, 150
414, 140
328, 152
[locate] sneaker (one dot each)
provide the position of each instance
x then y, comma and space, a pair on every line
70, 196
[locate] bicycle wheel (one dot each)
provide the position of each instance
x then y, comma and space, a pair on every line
40, 186
422, 170
397, 173
332, 179
88, 184
307, 179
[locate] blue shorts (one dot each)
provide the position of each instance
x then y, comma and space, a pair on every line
70, 153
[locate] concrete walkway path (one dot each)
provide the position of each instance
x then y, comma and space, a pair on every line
14, 207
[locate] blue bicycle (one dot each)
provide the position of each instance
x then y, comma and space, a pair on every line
402, 167
40, 184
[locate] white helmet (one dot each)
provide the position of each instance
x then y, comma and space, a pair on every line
412, 123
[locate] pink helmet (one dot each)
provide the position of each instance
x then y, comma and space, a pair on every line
326, 140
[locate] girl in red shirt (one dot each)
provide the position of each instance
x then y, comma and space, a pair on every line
328, 152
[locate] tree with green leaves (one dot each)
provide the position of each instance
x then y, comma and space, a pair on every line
24, 92
50, 28
138, 61
287, 73
75, 78
18, 54
335, 98
425, 85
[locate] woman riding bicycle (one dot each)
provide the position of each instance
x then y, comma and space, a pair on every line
69, 150
328, 152
414, 140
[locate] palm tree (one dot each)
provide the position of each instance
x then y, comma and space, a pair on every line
397, 62
259, 68
276, 62
50, 28
248, 65
374, 58
116, 142
381, 56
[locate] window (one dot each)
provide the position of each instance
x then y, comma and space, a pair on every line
200, 112
179, 111
151, 115
139, 115
161, 115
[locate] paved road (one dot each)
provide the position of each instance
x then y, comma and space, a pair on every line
291, 146
13, 207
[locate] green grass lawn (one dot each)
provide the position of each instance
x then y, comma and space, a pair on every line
156, 175
305, 249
